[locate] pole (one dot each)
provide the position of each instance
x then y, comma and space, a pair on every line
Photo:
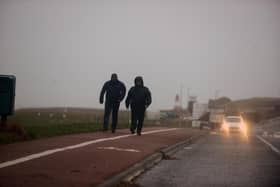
217, 94
181, 105
181, 97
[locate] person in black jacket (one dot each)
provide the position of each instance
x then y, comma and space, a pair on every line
115, 93
138, 98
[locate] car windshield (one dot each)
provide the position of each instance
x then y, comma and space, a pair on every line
233, 120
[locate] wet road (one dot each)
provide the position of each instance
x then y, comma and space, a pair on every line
218, 160
270, 131
82, 159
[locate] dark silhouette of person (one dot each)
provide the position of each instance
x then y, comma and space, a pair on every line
115, 92
138, 98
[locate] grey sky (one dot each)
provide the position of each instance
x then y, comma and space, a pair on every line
62, 51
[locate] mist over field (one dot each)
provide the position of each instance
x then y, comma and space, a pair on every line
62, 51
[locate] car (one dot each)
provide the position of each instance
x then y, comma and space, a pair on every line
234, 124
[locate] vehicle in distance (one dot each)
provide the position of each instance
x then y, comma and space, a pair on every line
234, 124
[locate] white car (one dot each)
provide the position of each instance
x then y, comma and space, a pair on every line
234, 124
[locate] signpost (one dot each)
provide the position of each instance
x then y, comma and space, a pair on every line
7, 97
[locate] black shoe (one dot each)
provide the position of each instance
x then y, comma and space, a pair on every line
132, 132
113, 130
104, 130
139, 133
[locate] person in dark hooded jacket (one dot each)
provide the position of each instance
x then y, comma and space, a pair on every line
115, 93
138, 98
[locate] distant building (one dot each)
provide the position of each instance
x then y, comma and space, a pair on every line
217, 110
216, 115
199, 109
191, 102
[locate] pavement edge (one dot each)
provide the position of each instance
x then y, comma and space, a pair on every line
132, 172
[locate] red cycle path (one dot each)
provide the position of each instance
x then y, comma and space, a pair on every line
85, 166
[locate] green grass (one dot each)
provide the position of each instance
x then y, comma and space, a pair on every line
36, 131
44, 131
32, 126
6, 138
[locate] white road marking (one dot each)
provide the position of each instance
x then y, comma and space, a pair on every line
265, 134
188, 148
269, 145
276, 135
213, 133
52, 151
119, 149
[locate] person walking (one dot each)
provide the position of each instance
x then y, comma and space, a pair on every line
115, 92
138, 98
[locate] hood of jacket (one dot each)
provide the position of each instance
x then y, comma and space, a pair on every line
138, 81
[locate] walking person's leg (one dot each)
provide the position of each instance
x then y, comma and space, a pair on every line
107, 113
115, 116
141, 116
133, 121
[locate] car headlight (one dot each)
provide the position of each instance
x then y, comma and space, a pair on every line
244, 128
225, 127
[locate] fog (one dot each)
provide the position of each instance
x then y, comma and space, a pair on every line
62, 51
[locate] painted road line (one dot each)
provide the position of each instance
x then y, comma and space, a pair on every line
269, 145
161, 130
119, 149
52, 151
276, 134
213, 133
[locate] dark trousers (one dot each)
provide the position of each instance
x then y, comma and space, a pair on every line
137, 118
114, 108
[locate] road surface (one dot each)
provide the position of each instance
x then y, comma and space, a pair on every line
82, 160
270, 131
217, 160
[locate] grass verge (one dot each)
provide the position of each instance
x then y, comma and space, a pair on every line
31, 132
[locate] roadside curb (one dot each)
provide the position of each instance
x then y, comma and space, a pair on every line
129, 174
274, 149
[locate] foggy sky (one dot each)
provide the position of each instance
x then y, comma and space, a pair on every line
62, 51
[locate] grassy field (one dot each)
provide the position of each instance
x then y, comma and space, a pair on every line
32, 124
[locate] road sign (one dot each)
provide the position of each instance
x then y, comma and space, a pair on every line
7, 96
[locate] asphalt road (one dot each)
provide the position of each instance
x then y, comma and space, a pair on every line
82, 159
270, 131
217, 160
